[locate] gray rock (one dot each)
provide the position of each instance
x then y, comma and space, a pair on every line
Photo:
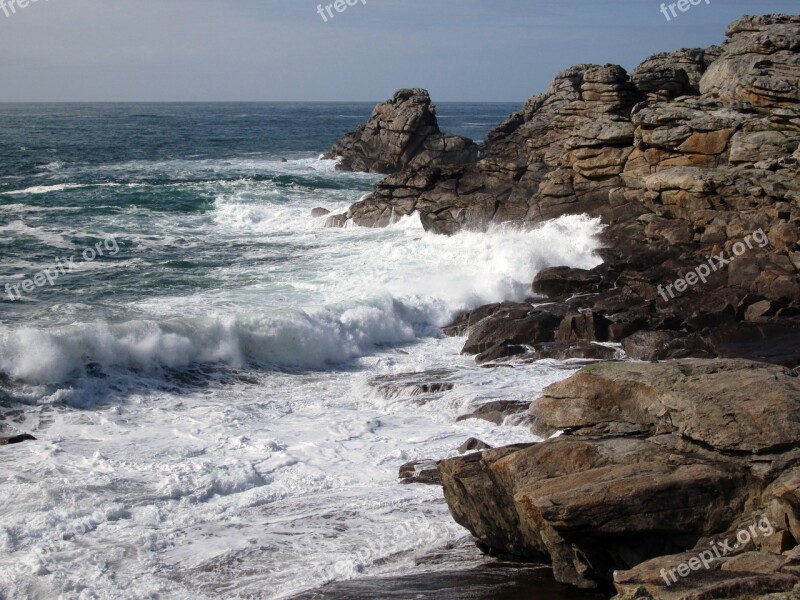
402, 131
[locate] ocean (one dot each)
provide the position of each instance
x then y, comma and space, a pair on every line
193, 352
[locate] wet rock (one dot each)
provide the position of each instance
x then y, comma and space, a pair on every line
336, 221
16, 439
513, 327
584, 325
560, 282
569, 350
420, 471
473, 444
319, 212
421, 385
496, 411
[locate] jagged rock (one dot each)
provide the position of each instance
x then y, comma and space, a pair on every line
655, 459
402, 131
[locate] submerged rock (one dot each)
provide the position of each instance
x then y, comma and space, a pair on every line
16, 439
319, 212
421, 385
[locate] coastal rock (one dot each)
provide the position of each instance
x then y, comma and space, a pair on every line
473, 444
496, 411
421, 385
420, 471
401, 132
16, 439
569, 350
667, 75
319, 212
514, 326
654, 460
557, 282
759, 62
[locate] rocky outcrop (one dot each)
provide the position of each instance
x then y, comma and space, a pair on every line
705, 210
760, 63
402, 132
693, 163
694, 155
668, 75
597, 131
654, 460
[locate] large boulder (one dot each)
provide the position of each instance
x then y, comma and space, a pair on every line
759, 64
667, 75
654, 459
401, 132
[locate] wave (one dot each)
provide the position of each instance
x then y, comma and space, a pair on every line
59, 187
372, 289
303, 340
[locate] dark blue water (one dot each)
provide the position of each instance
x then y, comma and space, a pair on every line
33, 136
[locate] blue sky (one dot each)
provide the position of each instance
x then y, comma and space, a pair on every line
204, 50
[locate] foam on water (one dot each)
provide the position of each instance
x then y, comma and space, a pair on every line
361, 289
225, 441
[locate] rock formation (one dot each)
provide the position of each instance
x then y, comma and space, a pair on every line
693, 163
655, 459
677, 176
402, 133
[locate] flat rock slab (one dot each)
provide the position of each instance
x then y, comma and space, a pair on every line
730, 405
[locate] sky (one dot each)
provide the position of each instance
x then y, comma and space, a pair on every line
283, 50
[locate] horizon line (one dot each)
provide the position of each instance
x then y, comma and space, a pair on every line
246, 101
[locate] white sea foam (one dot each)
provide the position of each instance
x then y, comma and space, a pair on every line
401, 284
258, 481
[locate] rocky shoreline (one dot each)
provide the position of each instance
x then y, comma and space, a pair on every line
692, 161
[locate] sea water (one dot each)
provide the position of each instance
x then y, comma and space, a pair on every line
201, 397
